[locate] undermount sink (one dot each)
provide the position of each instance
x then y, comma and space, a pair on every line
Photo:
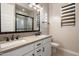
9, 44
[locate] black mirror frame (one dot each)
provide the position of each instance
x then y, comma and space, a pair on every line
15, 26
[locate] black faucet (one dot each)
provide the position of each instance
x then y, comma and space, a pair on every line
17, 37
12, 38
7, 39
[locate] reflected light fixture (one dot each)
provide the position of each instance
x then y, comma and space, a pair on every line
35, 6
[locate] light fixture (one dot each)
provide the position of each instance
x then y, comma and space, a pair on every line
35, 6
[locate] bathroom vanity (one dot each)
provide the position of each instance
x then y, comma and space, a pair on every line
20, 18
27, 46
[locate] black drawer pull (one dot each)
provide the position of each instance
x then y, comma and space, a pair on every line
43, 49
39, 50
32, 54
38, 44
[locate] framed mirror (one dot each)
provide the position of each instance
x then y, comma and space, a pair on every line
17, 18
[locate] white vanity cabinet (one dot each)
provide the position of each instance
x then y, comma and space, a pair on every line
39, 48
43, 47
20, 51
31, 53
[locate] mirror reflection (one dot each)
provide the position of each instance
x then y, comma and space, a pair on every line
20, 17
23, 23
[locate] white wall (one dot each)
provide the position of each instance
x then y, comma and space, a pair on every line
68, 36
7, 17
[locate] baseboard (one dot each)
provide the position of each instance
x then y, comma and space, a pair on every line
69, 52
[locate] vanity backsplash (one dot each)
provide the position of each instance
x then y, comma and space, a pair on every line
2, 36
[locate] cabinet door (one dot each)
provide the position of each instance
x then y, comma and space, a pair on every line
30, 54
47, 49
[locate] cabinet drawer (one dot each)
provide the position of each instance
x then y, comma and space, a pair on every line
30, 54
40, 54
38, 51
38, 43
46, 40
20, 51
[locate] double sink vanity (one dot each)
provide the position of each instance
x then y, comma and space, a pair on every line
21, 18
27, 46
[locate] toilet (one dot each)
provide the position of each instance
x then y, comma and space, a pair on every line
54, 48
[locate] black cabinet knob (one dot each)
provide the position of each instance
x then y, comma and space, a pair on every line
32, 54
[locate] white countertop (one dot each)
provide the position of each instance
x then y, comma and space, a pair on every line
22, 41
